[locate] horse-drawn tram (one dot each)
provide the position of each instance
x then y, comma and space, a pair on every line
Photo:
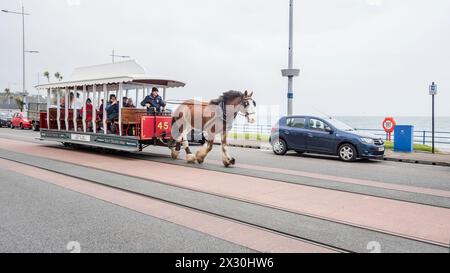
100, 106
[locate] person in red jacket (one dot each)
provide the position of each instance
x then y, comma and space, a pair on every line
88, 110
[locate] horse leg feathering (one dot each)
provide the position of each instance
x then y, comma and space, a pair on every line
226, 158
203, 152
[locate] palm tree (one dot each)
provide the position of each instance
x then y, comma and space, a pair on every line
8, 95
19, 102
47, 75
58, 76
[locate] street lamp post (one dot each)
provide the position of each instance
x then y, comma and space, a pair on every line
23, 47
433, 92
113, 55
290, 73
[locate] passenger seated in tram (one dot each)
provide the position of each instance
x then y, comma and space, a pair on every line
154, 102
62, 103
71, 100
112, 112
124, 101
76, 104
112, 108
89, 110
100, 110
130, 103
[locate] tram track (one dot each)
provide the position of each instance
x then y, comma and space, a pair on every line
142, 157
403, 195
279, 177
221, 215
191, 208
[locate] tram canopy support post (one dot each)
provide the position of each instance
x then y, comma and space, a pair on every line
58, 109
120, 107
84, 108
105, 96
75, 110
94, 108
49, 92
66, 108
99, 98
136, 96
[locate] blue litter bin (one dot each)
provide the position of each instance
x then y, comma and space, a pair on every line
404, 138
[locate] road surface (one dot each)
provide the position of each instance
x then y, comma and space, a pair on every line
56, 199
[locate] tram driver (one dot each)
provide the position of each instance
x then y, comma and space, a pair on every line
154, 102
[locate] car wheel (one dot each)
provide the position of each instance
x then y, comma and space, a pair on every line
279, 147
347, 152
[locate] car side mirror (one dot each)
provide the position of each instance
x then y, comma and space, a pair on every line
328, 129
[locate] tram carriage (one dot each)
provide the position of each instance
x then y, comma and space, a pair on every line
134, 129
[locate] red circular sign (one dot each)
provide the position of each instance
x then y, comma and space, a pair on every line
389, 124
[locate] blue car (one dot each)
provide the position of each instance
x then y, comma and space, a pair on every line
324, 136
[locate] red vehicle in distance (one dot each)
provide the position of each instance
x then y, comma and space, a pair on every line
20, 120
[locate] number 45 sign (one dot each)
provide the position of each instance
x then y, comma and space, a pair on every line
163, 125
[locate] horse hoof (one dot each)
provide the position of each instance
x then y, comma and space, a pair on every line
232, 161
200, 157
190, 158
175, 155
200, 160
227, 163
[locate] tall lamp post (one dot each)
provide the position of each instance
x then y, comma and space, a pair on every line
24, 91
433, 92
113, 55
290, 73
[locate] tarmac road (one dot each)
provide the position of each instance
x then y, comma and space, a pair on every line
303, 203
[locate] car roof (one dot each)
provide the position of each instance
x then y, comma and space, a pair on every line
303, 116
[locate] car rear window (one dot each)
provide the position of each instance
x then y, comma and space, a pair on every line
296, 122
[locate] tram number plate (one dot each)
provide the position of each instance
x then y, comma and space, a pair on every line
83, 138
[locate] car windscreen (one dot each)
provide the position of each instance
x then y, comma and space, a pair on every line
340, 125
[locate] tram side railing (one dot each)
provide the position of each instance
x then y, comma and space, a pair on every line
420, 136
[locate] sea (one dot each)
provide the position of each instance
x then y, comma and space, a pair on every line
442, 124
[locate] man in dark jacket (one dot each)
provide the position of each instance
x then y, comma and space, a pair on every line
154, 102
112, 108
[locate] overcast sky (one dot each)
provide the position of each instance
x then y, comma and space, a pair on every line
358, 57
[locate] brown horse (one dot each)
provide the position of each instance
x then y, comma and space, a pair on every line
213, 118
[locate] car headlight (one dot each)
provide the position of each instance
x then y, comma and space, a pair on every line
367, 140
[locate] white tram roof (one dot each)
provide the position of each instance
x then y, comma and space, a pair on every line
128, 72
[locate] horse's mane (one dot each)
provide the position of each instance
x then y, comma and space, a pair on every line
227, 96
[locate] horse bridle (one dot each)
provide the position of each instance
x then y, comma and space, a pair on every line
245, 103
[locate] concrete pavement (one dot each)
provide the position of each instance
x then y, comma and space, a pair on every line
438, 159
